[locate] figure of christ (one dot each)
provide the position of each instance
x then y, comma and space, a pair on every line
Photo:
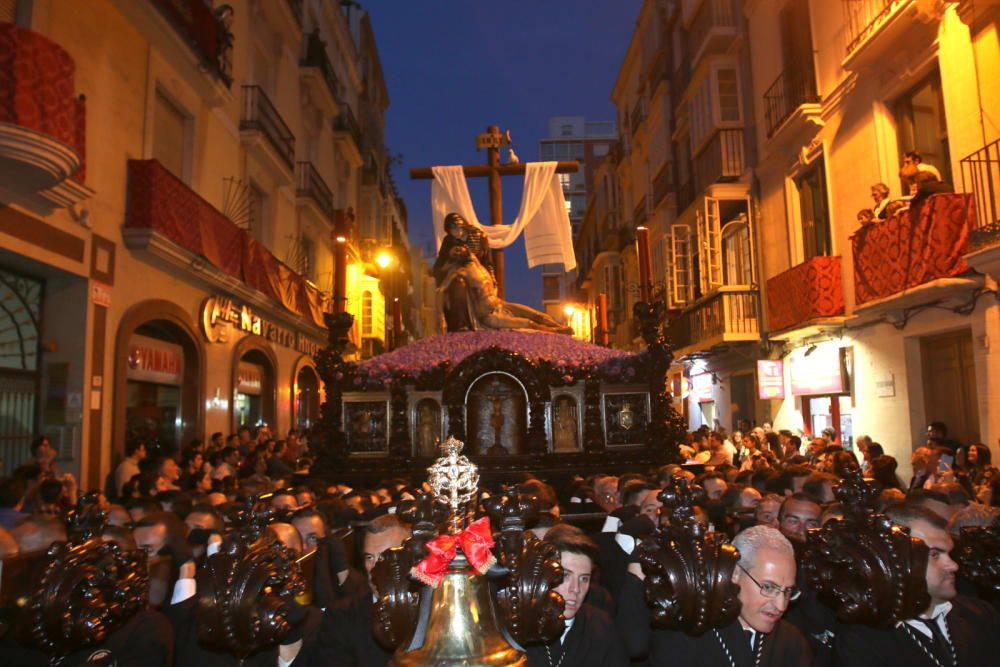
489, 310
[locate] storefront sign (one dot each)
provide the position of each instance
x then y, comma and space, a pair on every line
152, 360
771, 380
885, 386
701, 387
818, 372
100, 294
249, 379
220, 316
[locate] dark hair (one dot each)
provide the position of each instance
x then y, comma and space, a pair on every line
50, 491
546, 495
37, 443
914, 155
908, 514
814, 485
208, 510
570, 539
11, 491
800, 497
217, 434
938, 426
132, 446
884, 472
874, 451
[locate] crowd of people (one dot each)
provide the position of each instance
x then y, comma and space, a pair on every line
920, 180
764, 489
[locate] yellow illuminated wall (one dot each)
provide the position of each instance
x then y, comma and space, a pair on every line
358, 282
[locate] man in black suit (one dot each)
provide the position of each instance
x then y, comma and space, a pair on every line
953, 630
590, 638
766, 578
347, 626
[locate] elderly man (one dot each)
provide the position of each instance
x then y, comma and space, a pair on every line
590, 637
953, 630
766, 579
925, 462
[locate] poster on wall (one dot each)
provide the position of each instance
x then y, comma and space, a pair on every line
701, 387
817, 372
771, 380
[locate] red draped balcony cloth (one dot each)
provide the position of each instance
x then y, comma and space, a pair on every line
914, 247
161, 202
809, 291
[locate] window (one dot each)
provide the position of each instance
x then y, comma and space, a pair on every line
709, 246
566, 130
700, 113
366, 314
729, 96
815, 217
564, 181
169, 135
921, 125
547, 152
680, 265
600, 150
737, 262
550, 288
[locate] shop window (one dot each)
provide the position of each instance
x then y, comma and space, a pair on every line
921, 125
154, 411
813, 212
170, 135
306, 398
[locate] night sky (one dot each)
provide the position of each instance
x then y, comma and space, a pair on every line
454, 67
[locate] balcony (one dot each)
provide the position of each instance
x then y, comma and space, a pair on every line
914, 256
318, 76
877, 29
728, 315
637, 116
262, 128
195, 41
805, 295
347, 132
713, 28
42, 123
640, 212
791, 104
721, 160
311, 191
663, 183
173, 223
981, 177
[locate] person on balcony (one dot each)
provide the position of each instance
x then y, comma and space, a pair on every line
866, 216
880, 195
916, 160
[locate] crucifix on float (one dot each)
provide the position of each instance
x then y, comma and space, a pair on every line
492, 140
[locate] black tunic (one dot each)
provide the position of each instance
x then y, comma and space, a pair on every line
145, 640
783, 647
592, 641
347, 633
973, 626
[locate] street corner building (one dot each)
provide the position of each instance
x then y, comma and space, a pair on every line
181, 189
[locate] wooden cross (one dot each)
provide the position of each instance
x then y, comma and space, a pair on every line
492, 141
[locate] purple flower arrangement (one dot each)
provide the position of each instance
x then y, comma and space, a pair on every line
560, 359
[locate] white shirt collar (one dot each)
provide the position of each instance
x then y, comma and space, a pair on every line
569, 626
937, 614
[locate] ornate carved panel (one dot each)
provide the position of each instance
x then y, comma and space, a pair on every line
366, 424
626, 418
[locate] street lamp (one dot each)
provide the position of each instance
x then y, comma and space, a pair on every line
569, 309
384, 259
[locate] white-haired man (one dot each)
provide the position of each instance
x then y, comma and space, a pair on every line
759, 636
953, 630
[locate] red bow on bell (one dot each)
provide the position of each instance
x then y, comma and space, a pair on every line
476, 542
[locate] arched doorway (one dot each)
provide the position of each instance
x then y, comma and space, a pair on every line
158, 378
497, 408
305, 398
254, 385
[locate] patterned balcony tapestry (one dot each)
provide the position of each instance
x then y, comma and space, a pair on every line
37, 90
161, 202
805, 292
913, 247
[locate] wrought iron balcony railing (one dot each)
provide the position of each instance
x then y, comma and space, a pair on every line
721, 159
712, 26
792, 89
259, 115
346, 122
310, 184
865, 17
981, 177
726, 315
315, 56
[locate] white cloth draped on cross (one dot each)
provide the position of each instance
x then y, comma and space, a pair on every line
548, 238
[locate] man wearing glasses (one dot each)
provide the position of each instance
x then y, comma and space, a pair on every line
765, 576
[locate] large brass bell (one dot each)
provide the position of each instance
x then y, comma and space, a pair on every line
462, 629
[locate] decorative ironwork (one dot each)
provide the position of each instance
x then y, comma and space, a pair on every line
260, 115
790, 90
978, 554
981, 177
315, 56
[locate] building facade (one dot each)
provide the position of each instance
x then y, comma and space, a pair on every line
175, 179
778, 118
587, 142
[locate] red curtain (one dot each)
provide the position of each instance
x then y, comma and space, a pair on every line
808, 291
